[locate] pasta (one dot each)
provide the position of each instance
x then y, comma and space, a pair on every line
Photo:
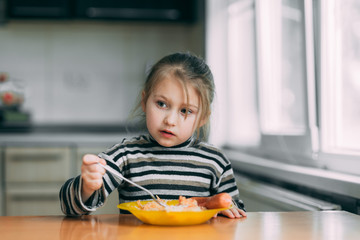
185, 204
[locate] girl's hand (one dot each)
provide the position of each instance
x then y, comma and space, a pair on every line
91, 174
233, 212
220, 200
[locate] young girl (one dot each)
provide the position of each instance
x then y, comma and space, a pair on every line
171, 160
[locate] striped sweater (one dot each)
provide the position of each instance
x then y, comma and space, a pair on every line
190, 169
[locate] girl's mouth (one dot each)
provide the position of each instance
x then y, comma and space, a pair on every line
167, 134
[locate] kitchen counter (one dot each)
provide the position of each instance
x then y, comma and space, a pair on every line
103, 135
257, 225
60, 139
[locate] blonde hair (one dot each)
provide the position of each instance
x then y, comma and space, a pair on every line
189, 69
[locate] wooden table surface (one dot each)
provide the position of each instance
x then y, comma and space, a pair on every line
257, 225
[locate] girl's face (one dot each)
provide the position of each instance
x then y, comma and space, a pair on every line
165, 111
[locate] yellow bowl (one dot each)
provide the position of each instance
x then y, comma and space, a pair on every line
169, 218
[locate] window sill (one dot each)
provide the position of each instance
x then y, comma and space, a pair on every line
324, 180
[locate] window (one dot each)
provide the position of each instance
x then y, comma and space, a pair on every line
289, 80
241, 75
282, 58
285, 58
340, 85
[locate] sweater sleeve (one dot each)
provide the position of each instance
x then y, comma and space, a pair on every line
71, 202
228, 184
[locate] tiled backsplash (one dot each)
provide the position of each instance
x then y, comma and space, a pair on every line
87, 72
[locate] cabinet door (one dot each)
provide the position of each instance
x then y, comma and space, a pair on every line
33, 178
37, 164
33, 200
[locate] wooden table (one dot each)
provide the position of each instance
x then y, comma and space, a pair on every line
262, 225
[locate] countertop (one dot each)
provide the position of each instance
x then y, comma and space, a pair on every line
257, 225
99, 135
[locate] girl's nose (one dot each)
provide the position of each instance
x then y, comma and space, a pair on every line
170, 118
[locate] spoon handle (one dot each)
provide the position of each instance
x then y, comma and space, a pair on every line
118, 175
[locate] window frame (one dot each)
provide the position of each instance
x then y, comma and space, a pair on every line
338, 160
295, 148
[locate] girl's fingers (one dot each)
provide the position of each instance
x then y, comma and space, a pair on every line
234, 213
89, 159
89, 165
228, 213
93, 184
102, 161
94, 176
242, 212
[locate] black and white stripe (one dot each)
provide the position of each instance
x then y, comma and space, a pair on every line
189, 169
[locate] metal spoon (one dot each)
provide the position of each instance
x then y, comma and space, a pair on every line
118, 175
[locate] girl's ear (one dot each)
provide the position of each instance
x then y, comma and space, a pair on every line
204, 120
143, 104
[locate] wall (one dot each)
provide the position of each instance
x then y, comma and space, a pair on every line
87, 71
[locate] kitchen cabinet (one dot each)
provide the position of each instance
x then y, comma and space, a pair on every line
40, 9
33, 177
32, 199
173, 10
154, 10
35, 165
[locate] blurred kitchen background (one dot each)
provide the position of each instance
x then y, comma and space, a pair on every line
286, 111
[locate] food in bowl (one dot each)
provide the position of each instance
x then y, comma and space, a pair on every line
185, 204
221, 200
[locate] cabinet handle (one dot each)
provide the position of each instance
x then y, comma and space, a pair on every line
95, 12
38, 198
42, 157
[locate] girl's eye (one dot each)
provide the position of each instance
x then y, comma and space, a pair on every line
161, 104
186, 111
